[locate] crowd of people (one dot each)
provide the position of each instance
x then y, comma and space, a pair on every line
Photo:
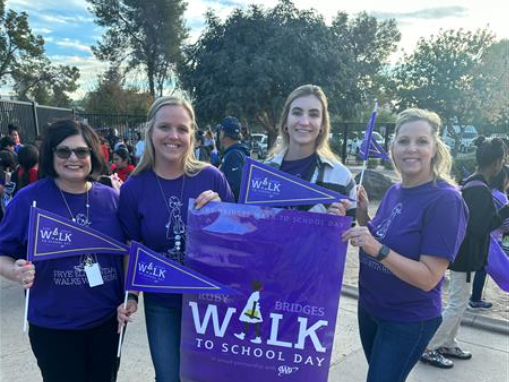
424, 225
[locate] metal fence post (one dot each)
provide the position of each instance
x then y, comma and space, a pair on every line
36, 119
345, 142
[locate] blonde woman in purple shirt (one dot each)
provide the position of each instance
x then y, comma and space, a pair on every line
406, 248
153, 210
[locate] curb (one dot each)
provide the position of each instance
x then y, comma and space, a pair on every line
470, 319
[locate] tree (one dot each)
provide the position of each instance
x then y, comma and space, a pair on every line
142, 34
45, 83
452, 75
18, 44
112, 96
247, 65
24, 66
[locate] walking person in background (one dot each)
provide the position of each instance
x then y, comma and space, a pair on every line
484, 218
305, 152
406, 248
73, 326
8, 165
169, 175
14, 134
234, 154
122, 165
28, 169
499, 185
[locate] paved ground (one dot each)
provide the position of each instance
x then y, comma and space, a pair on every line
489, 364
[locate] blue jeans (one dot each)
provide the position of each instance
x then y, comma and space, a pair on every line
163, 331
393, 348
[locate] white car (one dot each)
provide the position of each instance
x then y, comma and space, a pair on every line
260, 145
354, 145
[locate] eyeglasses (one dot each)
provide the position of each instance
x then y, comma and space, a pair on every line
64, 152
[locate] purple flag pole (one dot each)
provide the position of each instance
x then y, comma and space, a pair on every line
367, 141
122, 328
27, 297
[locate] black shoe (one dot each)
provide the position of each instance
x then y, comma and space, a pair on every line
455, 353
479, 305
436, 359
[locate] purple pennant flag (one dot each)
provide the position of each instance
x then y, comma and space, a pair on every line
498, 265
264, 185
52, 236
288, 268
369, 146
149, 271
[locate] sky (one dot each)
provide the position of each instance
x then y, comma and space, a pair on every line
69, 30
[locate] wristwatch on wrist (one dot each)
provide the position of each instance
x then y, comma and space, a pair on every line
382, 253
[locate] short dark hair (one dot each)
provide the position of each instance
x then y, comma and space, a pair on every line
6, 142
28, 156
61, 130
122, 152
8, 160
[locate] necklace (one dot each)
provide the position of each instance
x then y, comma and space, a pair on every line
73, 218
173, 206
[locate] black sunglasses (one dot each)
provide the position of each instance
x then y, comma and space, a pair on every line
66, 152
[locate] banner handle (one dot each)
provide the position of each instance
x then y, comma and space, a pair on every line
122, 328
364, 166
27, 297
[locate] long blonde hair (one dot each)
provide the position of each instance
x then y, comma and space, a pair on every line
192, 166
322, 141
441, 163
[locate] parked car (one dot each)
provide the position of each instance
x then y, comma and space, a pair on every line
260, 145
354, 144
466, 142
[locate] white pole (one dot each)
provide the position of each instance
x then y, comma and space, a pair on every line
27, 297
364, 167
122, 328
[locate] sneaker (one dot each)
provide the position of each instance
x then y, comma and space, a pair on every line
256, 340
436, 359
480, 305
455, 353
240, 336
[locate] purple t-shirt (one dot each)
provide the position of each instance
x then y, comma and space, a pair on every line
424, 220
61, 297
148, 218
303, 168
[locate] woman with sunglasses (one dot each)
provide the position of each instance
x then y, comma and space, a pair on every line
72, 323
153, 210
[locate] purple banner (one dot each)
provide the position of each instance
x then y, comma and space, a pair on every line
288, 266
498, 265
148, 271
52, 236
264, 185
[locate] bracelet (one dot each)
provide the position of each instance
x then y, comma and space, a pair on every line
132, 296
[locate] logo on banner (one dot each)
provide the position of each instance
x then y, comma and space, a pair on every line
267, 186
56, 236
151, 272
250, 340
52, 236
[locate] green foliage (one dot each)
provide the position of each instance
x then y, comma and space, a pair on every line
373, 163
247, 65
448, 74
388, 164
463, 165
112, 96
142, 34
24, 66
